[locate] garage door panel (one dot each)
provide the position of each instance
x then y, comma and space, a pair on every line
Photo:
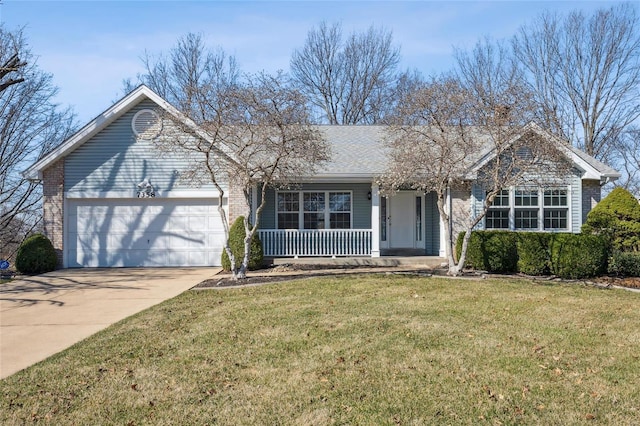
143, 232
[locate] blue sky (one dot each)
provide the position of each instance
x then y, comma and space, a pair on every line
90, 47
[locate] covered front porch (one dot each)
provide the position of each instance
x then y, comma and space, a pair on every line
338, 220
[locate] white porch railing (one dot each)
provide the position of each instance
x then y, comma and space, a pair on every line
321, 242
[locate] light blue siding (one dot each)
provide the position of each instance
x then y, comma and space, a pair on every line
114, 160
576, 204
477, 203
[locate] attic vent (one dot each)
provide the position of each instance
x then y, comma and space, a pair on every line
146, 124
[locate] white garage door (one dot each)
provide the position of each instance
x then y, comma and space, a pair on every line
143, 232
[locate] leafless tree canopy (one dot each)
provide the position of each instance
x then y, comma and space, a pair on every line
442, 129
253, 131
190, 77
30, 125
585, 72
628, 147
350, 80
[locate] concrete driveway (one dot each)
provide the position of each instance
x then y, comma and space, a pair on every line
44, 314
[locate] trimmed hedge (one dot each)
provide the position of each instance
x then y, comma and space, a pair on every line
236, 242
578, 255
624, 264
36, 255
565, 255
534, 257
491, 251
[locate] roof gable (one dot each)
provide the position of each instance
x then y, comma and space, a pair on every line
591, 168
357, 151
105, 119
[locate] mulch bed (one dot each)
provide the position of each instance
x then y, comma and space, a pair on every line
287, 272
628, 282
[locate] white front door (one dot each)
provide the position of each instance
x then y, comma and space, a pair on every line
402, 220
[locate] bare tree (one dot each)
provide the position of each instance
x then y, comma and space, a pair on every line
473, 127
585, 73
350, 80
30, 125
190, 77
628, 147
9, 67
258, 135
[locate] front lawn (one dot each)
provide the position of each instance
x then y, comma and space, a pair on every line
351, 350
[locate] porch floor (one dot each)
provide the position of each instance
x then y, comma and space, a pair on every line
403, 261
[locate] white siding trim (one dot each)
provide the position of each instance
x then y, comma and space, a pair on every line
133, 194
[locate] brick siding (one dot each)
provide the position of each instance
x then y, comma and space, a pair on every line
237, 203
53, 206
590, 196
460, 208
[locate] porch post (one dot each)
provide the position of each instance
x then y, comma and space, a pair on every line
375, 221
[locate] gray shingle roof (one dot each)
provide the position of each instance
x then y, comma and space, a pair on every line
355, 151
359, 151
596, 164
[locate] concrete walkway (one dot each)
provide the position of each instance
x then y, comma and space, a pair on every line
44, 314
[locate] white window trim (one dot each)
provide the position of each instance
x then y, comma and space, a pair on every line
569, 227
327, 211
540, 208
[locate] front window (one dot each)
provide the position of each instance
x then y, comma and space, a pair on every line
497, 219
526, 209
314, 210
556, 209
530, 209
340, 210
498, 214
288, 208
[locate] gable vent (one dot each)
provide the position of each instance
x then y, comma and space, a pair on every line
146, 124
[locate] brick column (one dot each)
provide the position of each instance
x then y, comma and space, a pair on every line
590, 196
236, 202
53, 206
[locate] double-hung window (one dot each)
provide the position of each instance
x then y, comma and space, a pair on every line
340, 210
530, 209
288, 210
556, 209
526, 209
313, 203
314, 209
498, 214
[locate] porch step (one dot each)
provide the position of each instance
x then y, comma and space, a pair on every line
386, 261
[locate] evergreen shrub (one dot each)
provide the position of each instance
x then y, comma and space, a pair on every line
236, 242
624, 264
36, 255
616, 217
491, 251
533, 253
578, 255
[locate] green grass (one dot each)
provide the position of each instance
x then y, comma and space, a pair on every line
351, 350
